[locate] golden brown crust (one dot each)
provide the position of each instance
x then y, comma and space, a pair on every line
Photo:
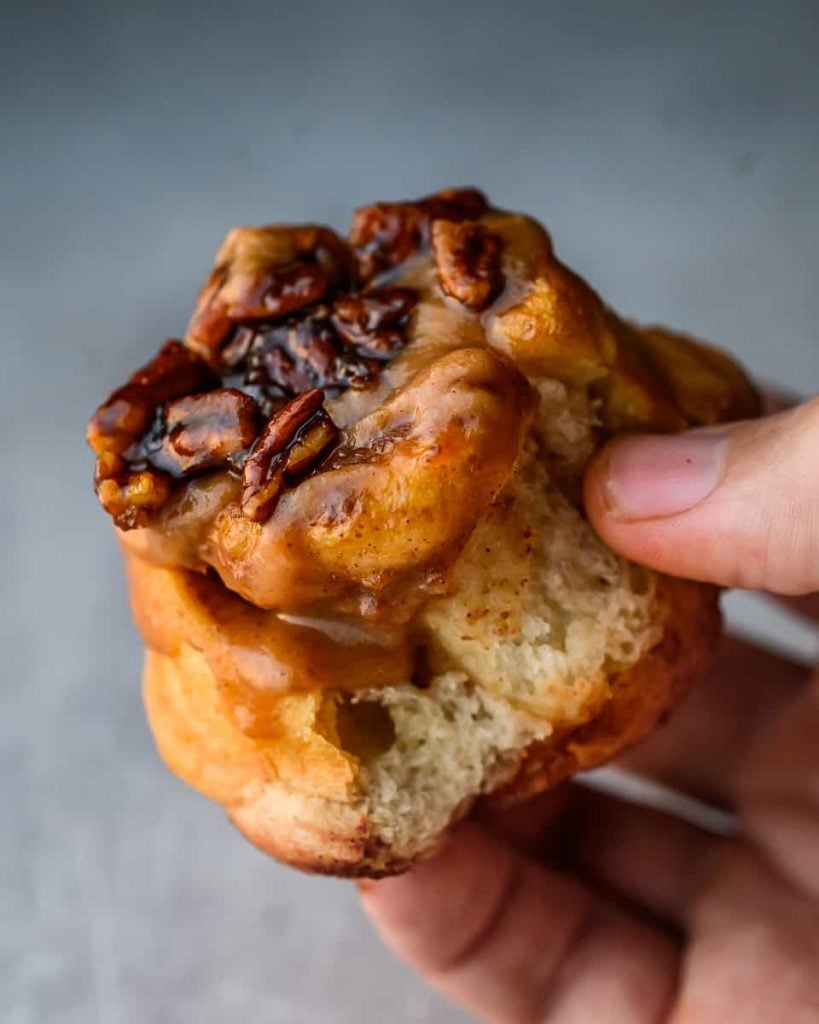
294, 796
644, 378
290, 797
641, 697
316, 837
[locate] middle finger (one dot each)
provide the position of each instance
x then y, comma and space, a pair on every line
702, 747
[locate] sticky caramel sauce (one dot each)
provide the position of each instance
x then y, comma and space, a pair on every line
259, 655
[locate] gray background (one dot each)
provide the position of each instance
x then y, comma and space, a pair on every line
671, 148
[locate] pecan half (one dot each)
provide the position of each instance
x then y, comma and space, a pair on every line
296, 437
385, 234
127, 413
203, 432
310, 444
467, 258
374, 322
263, 274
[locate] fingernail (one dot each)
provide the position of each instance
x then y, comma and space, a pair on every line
653, 476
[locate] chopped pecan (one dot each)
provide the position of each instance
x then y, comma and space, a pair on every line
356, 315
315, 347
237, 347
305, 352
130, 497
210, 325
270, 364
263, 274
174, 371
279, 292
374, 321
385, 234
293, 441
122, 419
467, 258
127, 413
203, 432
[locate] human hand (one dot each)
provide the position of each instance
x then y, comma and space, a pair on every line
579, 907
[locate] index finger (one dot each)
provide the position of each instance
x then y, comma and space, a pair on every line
515, 941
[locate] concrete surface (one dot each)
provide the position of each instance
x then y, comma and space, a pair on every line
673, 150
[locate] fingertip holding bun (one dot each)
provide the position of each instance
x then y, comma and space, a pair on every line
351, 511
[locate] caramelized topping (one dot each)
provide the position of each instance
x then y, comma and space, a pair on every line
375, 528
293, 442
272, 322
127, 488
275, 319
291, 310
262, 274
305, 352
467, 258
385, 234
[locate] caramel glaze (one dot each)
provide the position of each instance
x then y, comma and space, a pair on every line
326, 594
258, 656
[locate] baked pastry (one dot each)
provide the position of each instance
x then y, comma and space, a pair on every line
350, 508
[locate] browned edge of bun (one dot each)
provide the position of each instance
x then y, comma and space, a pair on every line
333, 837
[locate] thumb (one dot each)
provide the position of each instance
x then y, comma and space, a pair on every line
736, 505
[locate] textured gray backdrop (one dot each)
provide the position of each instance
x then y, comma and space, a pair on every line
673, 150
